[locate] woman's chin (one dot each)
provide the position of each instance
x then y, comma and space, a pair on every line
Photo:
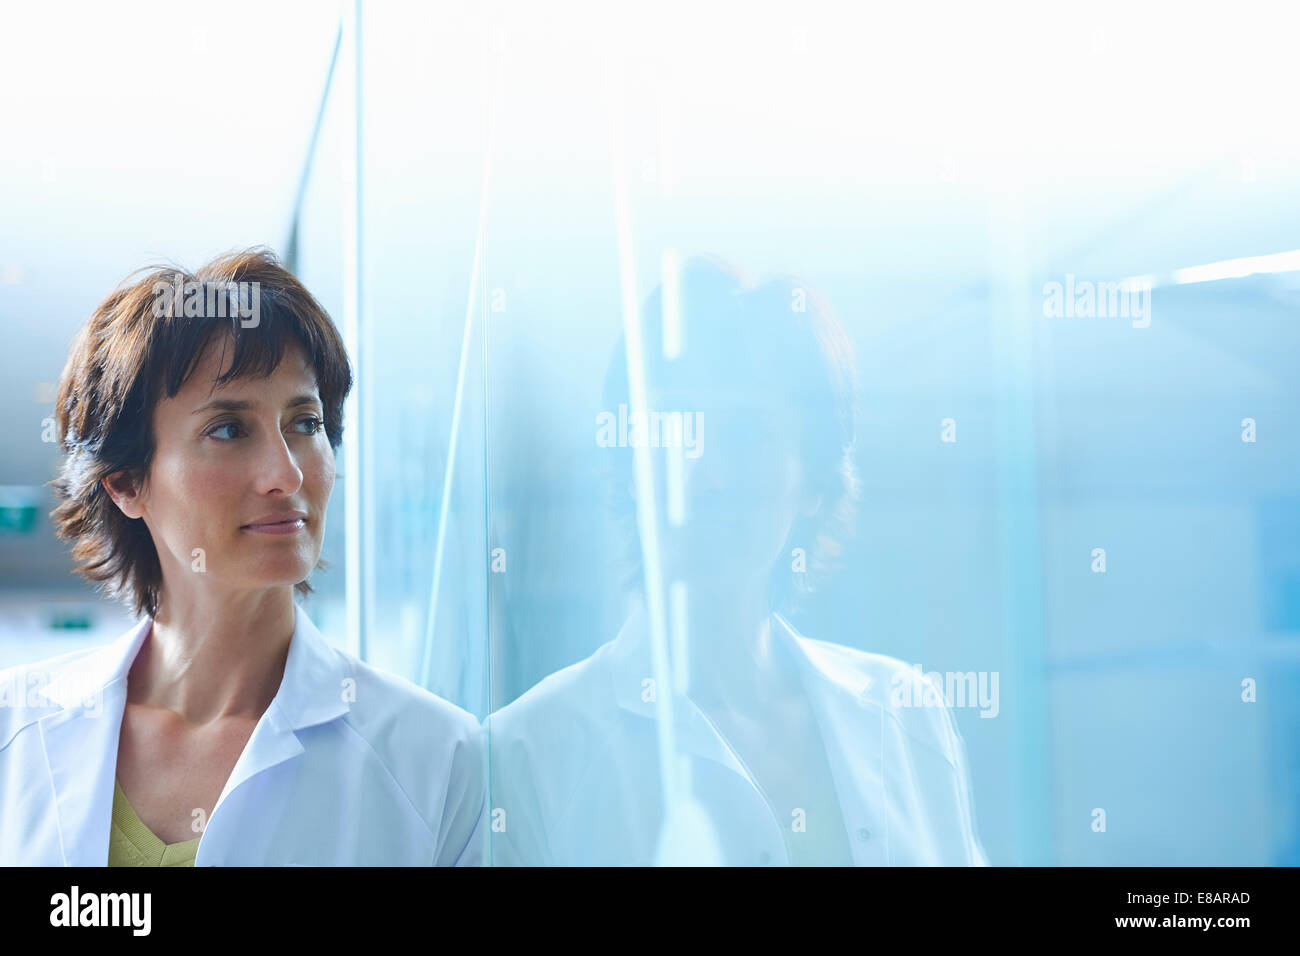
278, 573
713, 570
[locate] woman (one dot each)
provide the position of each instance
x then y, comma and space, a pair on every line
766, 747
199, 415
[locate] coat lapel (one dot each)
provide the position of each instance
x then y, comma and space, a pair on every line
852, 726
851, 723
312, 691
81, 741
630, 665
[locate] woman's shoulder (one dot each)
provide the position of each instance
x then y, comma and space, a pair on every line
324, 678
380, 700
32, 690
912, 699
570, 696
46, 666
430, 749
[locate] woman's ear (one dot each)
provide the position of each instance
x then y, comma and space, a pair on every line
122, 489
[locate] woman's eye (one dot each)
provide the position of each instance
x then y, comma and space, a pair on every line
225, 431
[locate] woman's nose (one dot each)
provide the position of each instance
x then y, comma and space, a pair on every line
278, 471
706, 476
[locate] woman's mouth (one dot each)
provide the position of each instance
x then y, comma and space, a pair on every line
289, 522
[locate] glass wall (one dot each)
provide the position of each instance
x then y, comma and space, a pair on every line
795, 459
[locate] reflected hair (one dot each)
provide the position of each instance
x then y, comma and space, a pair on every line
141, 345
776, 339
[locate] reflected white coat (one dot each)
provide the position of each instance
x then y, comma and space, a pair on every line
576, 767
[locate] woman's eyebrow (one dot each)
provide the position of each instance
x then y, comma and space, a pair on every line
223, 405
239, 405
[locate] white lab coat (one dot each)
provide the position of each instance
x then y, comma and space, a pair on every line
575, 767
349, 765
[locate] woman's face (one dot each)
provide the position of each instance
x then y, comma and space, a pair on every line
241, 475
742, 492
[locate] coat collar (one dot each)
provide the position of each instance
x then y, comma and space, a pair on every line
845, 701
81, 739
629, 655
311, 691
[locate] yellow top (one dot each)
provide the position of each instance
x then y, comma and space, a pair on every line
131, 843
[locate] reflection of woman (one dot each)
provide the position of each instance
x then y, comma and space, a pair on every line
200, 415
794, 748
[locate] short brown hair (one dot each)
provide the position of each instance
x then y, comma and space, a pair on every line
131, 354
